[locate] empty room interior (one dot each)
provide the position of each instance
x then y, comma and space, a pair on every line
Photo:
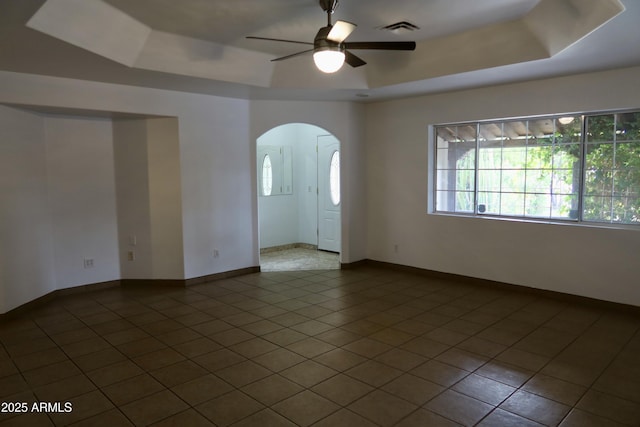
203, 223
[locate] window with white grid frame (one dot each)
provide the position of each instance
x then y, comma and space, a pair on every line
571, 167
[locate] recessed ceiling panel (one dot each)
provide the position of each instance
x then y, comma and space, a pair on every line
94, 26
200, 45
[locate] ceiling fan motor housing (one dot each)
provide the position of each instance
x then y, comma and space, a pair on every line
328, 6
321, 42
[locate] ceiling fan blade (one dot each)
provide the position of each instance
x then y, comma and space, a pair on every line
352, 59
340, 31
381, 45
278, 40
282, 58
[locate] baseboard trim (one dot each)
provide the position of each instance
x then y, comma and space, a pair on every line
181, 283
88, 288
561, 296
354, 265
222, 275
40, 301
153, 282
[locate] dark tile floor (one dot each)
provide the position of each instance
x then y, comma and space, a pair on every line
359, 347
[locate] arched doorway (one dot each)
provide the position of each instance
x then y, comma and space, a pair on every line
299, 203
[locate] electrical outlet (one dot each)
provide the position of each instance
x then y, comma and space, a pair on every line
131, 256
88, 263
216, 253
395, 248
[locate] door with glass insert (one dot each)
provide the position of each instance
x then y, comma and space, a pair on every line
329, 229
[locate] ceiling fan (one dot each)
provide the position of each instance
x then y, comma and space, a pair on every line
330, 51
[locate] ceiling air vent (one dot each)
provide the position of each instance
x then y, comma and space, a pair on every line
400, 26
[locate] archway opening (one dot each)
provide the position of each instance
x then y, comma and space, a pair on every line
299, 200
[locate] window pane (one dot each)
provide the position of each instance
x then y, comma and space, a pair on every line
625, 211
538, 205
489, 202
513, 181
599, 156
467, 133
514, 155
627, 156
600, 128
512, 204
491, 132
442, 158
455, 174
456, 178
542, 130
539, 156
564, 206
454, 201
491, 135
566, 156
598, 182
516, 130
626, 183
445, 135
568, 129
490, 155
490, 158
596, 209
446, 179
565, 181
489, 180
628, 127
464, 201
465, 155
445, 201
539, 181
465, 180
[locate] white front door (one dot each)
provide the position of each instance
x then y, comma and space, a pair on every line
329, 229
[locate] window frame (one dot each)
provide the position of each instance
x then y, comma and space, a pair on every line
432, 201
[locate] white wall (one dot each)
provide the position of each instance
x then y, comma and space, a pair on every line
82, 199
217, 161
216, 155
147, 169
589, 261
307, 181
132, 188
278, 212
165, 198
58, 204
26, 247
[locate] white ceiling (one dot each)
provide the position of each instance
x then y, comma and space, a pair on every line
200, 45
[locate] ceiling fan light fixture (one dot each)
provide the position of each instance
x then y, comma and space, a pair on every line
329, 60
